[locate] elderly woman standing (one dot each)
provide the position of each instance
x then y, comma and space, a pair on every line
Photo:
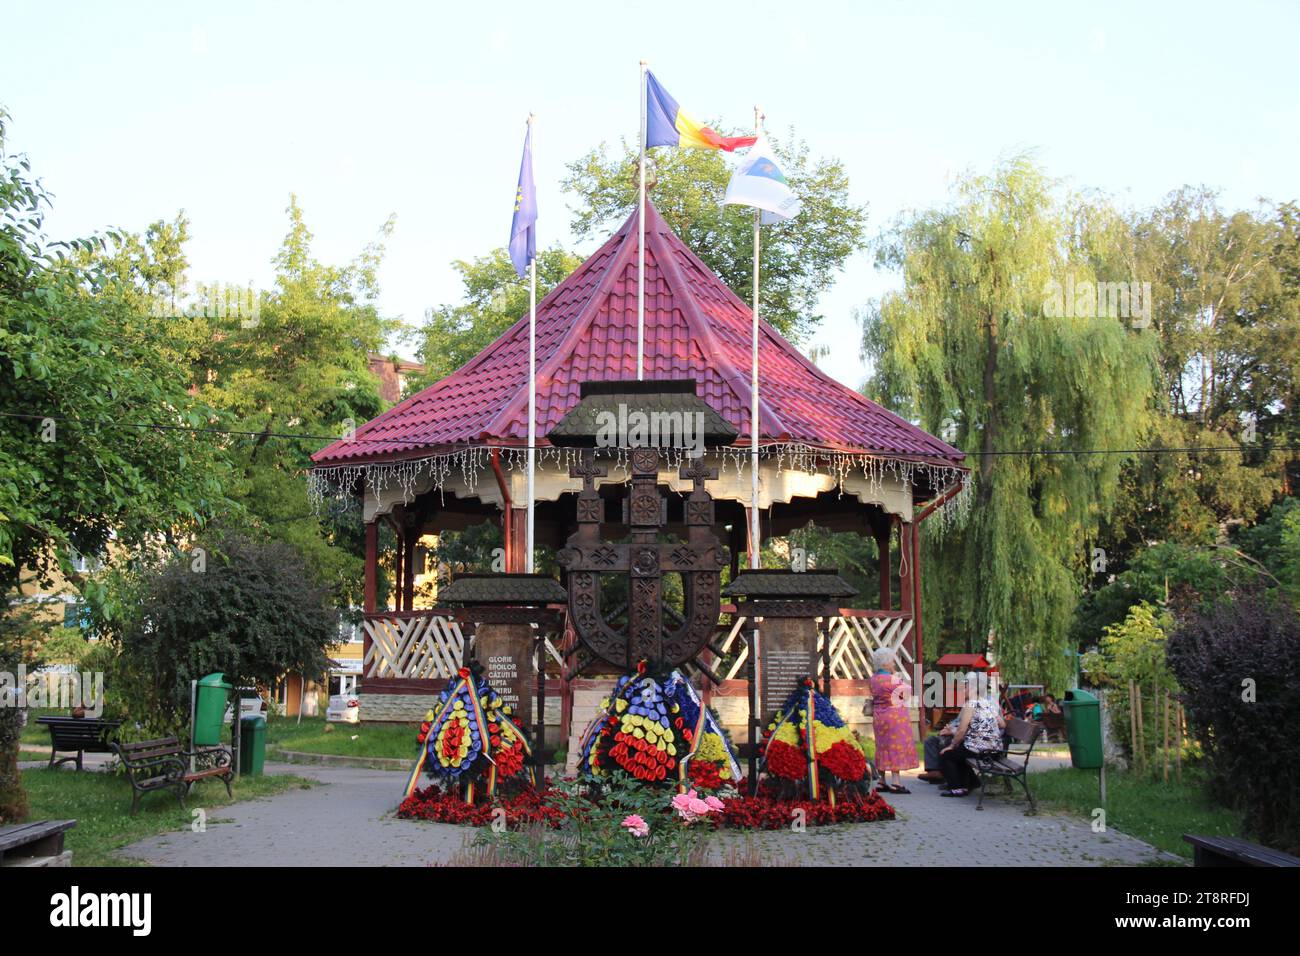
891, 721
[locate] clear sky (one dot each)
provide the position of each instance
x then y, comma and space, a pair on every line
132, 111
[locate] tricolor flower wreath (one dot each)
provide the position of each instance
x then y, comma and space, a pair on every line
470, 740
809, 743
658, 729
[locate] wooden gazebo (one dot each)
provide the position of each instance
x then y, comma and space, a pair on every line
454, 454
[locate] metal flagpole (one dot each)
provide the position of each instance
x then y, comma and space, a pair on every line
640, 247
756, 542
532, 396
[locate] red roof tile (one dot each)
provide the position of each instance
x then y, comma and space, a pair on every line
695, 327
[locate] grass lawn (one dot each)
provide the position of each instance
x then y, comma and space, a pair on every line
371, 740
35, 733
101, 804
1140, 805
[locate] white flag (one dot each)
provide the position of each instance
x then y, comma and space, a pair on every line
758, 181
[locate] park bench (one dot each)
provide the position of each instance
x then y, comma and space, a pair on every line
1010, 763
164, 764
35, 844
78, 736
1231, 851
1055, 725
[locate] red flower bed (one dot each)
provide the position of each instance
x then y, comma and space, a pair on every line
525, 807
763, 812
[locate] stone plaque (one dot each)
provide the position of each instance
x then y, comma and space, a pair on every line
788, 654
506, 653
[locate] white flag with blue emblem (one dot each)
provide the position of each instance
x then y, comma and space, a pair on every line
758, 181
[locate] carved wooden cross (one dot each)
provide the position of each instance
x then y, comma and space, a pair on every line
644, 560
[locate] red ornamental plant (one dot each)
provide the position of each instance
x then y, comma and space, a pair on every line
528, 806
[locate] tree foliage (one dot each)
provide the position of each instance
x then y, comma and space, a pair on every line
250, 609
969, 347
495, 298
79, 371
1239, 668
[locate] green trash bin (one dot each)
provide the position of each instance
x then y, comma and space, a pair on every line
1083, 728
210, 709
252, 745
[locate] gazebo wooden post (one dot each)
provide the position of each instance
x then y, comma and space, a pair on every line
904, 566
917, 647
880, 531
370, 599
412, 535
397, 562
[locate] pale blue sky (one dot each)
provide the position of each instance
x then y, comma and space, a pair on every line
132, 111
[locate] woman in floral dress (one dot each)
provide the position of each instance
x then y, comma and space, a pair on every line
891, 721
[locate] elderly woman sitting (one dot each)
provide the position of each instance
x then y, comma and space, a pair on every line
979, 730
891, 696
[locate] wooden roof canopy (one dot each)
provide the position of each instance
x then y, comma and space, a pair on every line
696, 328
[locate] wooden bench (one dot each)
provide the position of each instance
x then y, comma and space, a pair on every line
1009, 763
35, 844
79, 736
1232, 851
164, 764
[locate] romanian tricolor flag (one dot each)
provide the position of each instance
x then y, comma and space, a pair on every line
667, 124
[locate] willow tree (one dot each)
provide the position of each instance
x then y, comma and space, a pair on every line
999, 341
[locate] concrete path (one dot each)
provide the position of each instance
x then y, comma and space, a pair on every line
932, 830
349, 819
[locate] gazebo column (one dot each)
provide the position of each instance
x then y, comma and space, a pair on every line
397, 563
411, 536
517, 550
880, 531
752, 547
915, 529
904, 566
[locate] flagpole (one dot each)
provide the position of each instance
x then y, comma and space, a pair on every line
532, 397
755, 540
640, 246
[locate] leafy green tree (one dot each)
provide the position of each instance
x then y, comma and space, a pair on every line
800, 257
250, 609
1167, 573
972, 342
80, 370
1224, 309
494, 299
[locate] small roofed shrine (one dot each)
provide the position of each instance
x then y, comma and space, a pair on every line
454, 456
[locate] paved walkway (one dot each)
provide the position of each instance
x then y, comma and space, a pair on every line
348, 819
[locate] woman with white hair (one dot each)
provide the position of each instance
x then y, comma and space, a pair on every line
891, 695
979, 730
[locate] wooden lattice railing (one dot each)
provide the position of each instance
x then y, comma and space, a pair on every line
416, 645
854, 636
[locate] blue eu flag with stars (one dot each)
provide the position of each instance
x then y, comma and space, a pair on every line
523, 228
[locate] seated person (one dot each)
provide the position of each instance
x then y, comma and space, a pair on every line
1035, 712
979, 731
933, 745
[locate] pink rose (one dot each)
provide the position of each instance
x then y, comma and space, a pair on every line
714, 803
635, 825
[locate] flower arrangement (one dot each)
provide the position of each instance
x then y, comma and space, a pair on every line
568, 806
657, 729
809, 744
470, 738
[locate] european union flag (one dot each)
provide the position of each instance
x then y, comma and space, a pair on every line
523, 228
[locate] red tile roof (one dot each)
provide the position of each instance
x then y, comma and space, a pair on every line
695, 327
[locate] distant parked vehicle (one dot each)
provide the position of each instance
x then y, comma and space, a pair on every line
343, 709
